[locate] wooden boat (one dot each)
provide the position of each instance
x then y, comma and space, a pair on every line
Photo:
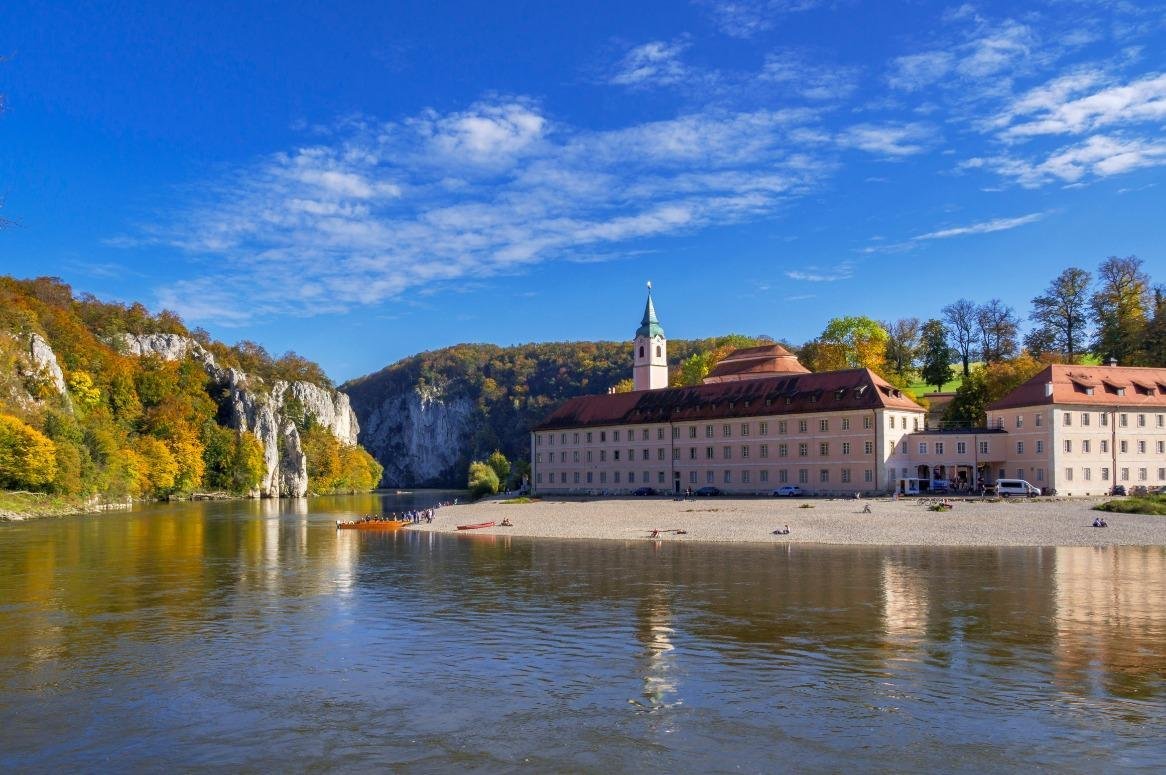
475, 527
373, 524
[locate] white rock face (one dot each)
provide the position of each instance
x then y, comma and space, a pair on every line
250, 408
419, 436
44, 358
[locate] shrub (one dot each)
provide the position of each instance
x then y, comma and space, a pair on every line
483, 479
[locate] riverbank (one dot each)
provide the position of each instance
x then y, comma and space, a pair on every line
906, 522
18, 506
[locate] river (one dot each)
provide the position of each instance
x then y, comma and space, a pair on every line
253, 635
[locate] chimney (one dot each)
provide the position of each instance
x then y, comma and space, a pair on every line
1111, 362
1048, 389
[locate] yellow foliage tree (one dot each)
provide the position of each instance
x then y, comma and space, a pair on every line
153, 467
28, 458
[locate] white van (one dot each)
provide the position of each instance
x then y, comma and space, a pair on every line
1007, 487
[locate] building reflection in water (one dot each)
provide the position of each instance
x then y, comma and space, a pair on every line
905, 602
1111, 620
655, 633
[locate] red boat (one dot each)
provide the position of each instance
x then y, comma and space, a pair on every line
475, 527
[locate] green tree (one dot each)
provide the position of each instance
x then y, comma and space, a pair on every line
959, 319
1062, 316
862, 341
998, 327
501, 466
483, 480
935, 354
902, 345
28, 458
1120, 308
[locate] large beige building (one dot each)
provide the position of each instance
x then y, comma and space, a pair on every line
762, 420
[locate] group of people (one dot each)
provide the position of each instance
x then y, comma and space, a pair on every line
782, 532
416, 516
1100, 522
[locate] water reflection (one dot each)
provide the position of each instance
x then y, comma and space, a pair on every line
211, 623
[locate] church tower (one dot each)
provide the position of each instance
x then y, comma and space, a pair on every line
650, 363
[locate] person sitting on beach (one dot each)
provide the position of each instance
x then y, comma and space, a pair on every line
506, 523
1097, 522
866, 509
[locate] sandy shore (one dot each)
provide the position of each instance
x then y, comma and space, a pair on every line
1018, 522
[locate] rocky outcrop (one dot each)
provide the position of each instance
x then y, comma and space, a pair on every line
250, 405
420, 436
43, 358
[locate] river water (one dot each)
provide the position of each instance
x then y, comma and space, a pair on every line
255, 636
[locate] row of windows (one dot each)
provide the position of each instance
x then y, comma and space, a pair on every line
1123, 419
961, 447
1086, 446
845, 476
1123, 474
710, 453
708, 431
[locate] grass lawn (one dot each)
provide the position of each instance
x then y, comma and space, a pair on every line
957, 379
1136, 504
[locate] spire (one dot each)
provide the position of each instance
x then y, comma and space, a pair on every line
650, 325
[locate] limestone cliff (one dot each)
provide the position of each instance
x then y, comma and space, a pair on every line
249, 404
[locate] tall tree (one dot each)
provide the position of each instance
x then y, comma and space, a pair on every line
935, 354
1154, 343
960, 320
998, 325
902, 345
1062, 315
862, 340
1120, 308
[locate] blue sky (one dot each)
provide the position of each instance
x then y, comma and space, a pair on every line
362, 181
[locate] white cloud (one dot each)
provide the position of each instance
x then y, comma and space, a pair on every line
1054, 109
388, 211
1098, 156
746, 18
652, 64
812, 81
893, 140
984, 227
814, 274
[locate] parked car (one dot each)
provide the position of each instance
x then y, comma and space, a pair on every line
788, 491
644, 491
708, 489
1118, 489
1007, 487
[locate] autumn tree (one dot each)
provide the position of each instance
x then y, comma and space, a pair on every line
850, 342
483, 480
501, 466
1154, 342
1061, 315
987, 384
27, 457
1120, 308
902, 345
960, 320
997, 325
935, 354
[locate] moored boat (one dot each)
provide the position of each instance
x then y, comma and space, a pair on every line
373, 524
475, 526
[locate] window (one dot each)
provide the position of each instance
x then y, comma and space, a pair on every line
726, 430
631, 477
575, 456
824, 475
562, 477
763, 429
657, 351
764, 475
540, 478
802, 426
803, 476
1141, 474
728, 477
727, 453
708, 431
891, 451
1087, 474
846, 448
645, 454
1105, 474
764, 451
589, 477
641, 351
615, 454
939, 447
588, 437
538, 440
1085, 418
868, 475
691, 432
1161, 420
923, 448
563, 438
781, 426
783, 476
660, 477
615, 435
868, 447
588, 456
562, 457
1124, 420
1038, 420
1020, 421
1124, 446
675, 432
783, 450
710, 477
1020, 447
916, 423
823, 425
983, 448
575, 438
1085, 447
1141, 421
803, 450
1125, 474
1067, 418
1068, 445
1040, 474
1104, 420
1020, 473
845, 475
1161, 474
708, 453
692, 453
744, 429
692, 477
576, 477
1068, 474
1040, 446
615, 477
744, 452
660, 453
644, 434
1141, 447
744, 477
866, 423
903, 447
602, 436
1160, 447
823, 449
961, 448
1104, 444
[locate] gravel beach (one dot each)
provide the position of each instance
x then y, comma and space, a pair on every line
906, 522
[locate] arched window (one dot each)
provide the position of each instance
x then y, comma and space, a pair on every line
641, 351
657, 351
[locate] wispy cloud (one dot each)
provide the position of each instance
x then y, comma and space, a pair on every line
1099, 156
815, 274
656, 63
889, 140
382, 210
747, 18
984, 227
1054, 109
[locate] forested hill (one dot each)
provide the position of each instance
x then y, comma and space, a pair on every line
425, 417
108, 400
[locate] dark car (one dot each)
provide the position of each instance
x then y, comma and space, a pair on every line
643, 491
1118, 489
708, 489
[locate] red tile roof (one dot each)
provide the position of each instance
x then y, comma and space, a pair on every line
828, 391
1132, 386
755, 363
